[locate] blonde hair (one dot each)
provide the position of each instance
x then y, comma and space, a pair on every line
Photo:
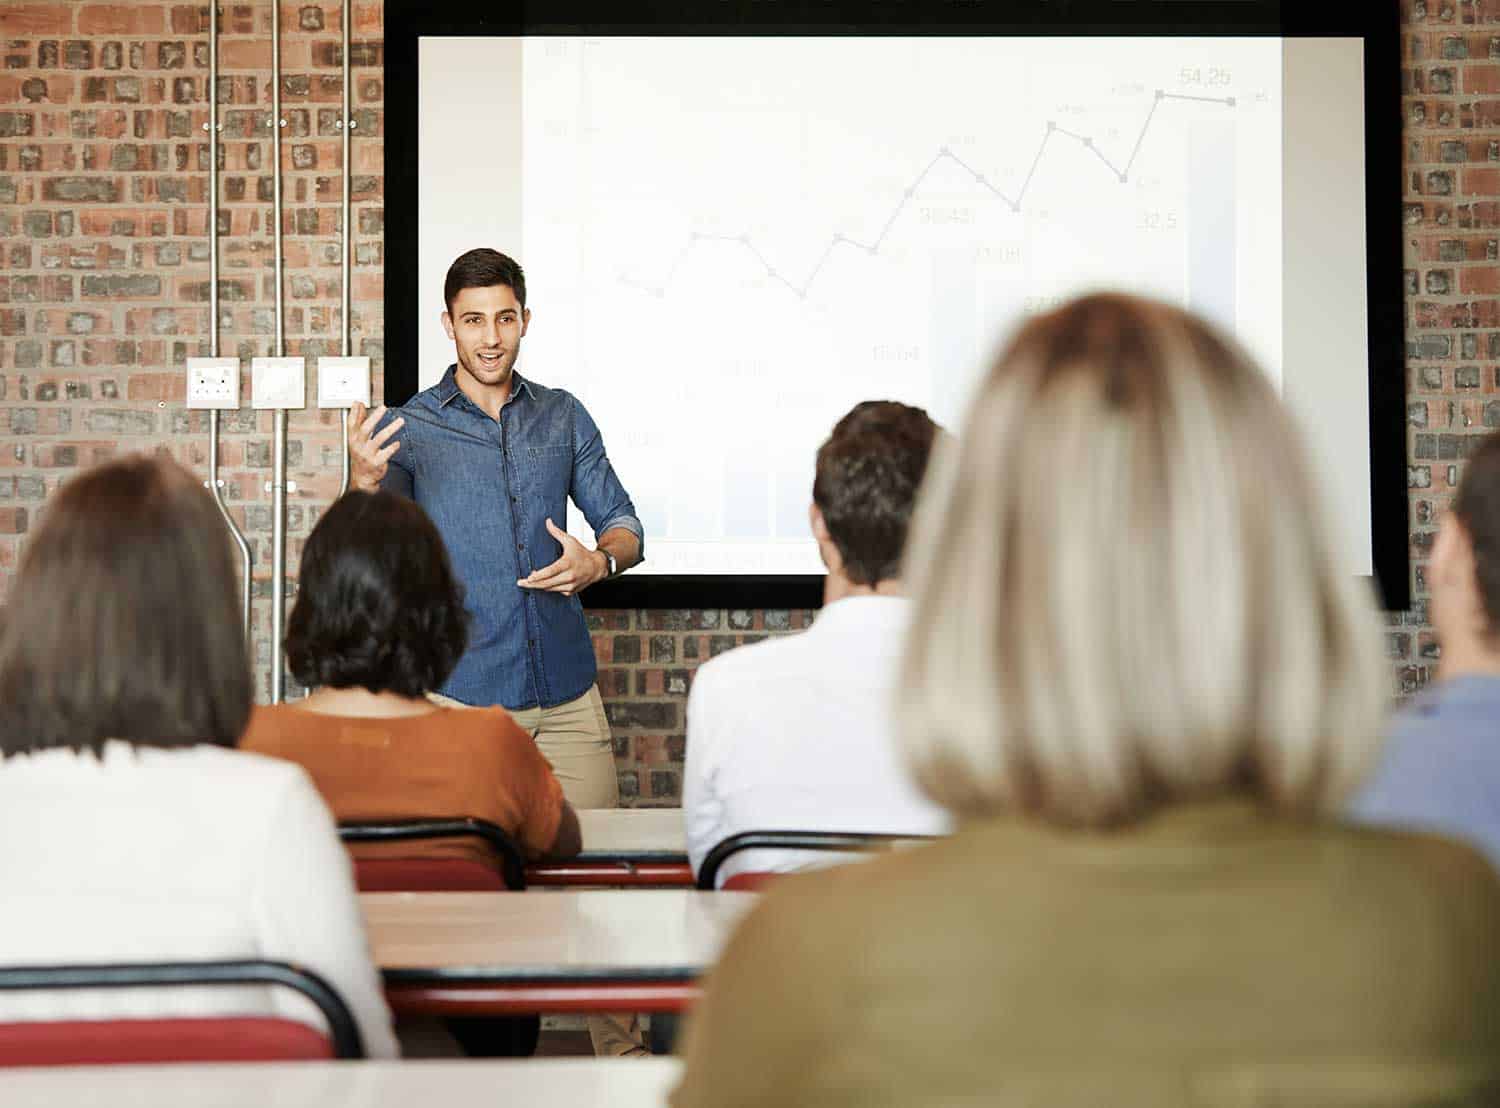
1124, 590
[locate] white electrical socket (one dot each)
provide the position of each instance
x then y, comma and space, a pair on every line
213, 383
343, 382
278, 382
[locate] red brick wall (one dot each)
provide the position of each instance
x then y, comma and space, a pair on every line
103, 290
1451, 216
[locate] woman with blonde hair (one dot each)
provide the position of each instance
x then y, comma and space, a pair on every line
1139, 678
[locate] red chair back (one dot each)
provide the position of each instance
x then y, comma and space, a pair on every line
749, 882
381, 873
155, 1041
426, 875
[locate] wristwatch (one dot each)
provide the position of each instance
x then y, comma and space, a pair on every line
609, 558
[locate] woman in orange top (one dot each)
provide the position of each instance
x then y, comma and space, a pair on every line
379, 621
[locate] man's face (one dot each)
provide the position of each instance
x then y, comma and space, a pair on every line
486, 325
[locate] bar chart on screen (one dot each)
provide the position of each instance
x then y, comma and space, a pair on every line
755, 234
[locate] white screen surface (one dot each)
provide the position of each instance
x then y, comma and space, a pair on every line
730, 241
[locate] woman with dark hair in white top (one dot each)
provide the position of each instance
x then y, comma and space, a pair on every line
130, 830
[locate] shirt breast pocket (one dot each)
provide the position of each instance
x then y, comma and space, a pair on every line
548, 469
548, 455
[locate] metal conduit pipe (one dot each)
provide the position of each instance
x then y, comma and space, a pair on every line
215, 486
278, 425
348, 245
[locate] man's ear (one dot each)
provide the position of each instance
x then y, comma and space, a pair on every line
525, 320
1452, 561
816, 521
448, 324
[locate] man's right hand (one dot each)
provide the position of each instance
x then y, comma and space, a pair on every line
368, 452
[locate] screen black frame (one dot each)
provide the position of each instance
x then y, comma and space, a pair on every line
1378, 26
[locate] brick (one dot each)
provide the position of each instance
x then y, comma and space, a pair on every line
19, 20
133, 287
87, 189
121, 18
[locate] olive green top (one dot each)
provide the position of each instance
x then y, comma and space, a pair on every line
1212, 955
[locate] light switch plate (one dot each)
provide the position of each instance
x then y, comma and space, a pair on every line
343, 382
213, 383
278, 382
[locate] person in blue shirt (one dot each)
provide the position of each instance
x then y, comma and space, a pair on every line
493, 458
1441, 767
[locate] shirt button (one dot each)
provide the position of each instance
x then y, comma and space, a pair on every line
520, 546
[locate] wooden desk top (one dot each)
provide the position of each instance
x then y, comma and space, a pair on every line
620, 935
575, 1082
641, 833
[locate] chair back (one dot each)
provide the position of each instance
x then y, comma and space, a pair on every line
841, 842
750, 881
176, 1039
374, 875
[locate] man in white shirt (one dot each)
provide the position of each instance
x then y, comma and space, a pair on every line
796, 733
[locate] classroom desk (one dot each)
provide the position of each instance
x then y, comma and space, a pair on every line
572, 1082
471, 954
624, 848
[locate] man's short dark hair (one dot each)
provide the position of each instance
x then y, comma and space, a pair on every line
481, 268
1477, 506
123, 621
378, 606
867, 477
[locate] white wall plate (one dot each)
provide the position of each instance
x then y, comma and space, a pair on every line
213, 383
278, 382
343, 382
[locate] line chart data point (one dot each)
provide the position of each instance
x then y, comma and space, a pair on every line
1051, 126
1229, 101
744, 239
1123, 178
979, 179
1088, 142
1161, 94
871, 249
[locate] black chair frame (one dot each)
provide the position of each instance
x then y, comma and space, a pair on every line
843, 842
342, 1030
512, 861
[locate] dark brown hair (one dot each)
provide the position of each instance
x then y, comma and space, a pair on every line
378, 605
1477, 506
481, 268
866, 484
122, 621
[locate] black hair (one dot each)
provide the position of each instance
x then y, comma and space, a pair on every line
866, 484
1477, 506
378, 605
481, 268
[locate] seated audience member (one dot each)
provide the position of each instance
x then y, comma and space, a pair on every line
1441, 767
797, 733
379, 620
1140, 680
129, 831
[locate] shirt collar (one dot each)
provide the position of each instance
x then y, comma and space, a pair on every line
1469, 690
448, 388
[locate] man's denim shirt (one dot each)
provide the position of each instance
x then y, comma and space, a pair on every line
490, 487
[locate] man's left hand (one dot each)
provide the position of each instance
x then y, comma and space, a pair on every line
577, 569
